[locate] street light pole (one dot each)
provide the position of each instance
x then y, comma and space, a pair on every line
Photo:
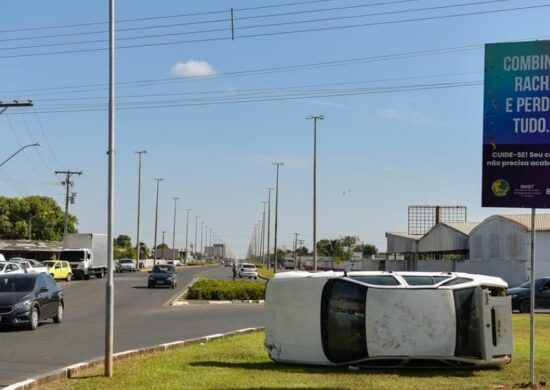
187, 237
262, 240
158, 180
174, 231
202, 234
138, 246
268, 222
315, 118
277, 164
196, 225
20, 149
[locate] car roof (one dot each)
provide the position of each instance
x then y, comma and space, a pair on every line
10, 275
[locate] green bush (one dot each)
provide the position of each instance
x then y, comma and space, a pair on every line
226, 290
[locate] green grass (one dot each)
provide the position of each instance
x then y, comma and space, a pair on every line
265, 272
210, 289
242, 363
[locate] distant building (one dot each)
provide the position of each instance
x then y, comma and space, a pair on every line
31, 249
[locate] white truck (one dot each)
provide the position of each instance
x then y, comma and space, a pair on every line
87, 254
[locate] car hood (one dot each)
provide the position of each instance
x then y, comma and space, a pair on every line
11, 298
518, 290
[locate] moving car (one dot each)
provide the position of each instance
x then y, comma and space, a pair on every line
388, 319
125, 265
163, 275
7, 267
521, 296
29, 299
248, 270
59, 269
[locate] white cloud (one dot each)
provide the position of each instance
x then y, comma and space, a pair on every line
192, 68
412, 117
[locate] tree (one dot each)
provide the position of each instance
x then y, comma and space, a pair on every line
34, 217
123, 241
369, 250
123, 248
303, 251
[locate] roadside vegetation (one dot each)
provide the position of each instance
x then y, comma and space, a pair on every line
264, 272
226, 290
242, 363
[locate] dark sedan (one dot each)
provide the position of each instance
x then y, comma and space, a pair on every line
521, 296
163, 275
30, 298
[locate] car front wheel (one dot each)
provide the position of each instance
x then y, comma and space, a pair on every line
34, 317
59, 316
524, 307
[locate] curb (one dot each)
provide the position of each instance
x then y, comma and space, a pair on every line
73, 370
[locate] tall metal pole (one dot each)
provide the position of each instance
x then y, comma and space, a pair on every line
158, 180
532, 309
278, 164
295, 249
138, 247
202, 233
268, 222
196, 225
205, 240
109, 304
187, 237
262, 240
315, 118
174, 231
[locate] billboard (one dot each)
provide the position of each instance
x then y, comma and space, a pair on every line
516, 125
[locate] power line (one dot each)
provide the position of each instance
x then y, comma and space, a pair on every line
276, 33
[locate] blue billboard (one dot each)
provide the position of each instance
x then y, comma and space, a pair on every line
516, 125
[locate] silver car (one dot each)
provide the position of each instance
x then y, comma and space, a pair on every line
388, 319
125, 265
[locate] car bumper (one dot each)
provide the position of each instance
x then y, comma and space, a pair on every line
15, 316
161, 282
248, 274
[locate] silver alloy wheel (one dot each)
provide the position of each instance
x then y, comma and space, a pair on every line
34, 318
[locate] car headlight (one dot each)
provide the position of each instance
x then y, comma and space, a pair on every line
26, 305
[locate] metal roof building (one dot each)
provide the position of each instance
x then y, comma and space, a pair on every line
446, 239
30, 249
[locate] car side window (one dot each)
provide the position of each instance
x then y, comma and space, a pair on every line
57, 265
40, 283
14, 267
50, 283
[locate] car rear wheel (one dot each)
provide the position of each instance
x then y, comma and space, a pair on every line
33, 318
59, 316
100, 274
524, 307
69, 277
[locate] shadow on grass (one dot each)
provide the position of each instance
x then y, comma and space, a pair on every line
444, 372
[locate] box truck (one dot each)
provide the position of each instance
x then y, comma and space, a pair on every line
87, 254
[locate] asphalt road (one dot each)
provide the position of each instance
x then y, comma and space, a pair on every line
142, 319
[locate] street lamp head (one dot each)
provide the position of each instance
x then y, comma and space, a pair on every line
35, 144
140, 151
320, 117
278, 163
158, 179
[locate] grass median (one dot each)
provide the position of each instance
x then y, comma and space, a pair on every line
222, 290
241, 362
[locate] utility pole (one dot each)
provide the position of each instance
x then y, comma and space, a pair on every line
138, 246
295, 248
315, 119
174, 232
277, 164
68, 184
15, 103
262, 241
301, 244
196, 225
187, 237
202, 234
158, 180
268, 222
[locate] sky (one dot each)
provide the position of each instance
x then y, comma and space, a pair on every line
400, 85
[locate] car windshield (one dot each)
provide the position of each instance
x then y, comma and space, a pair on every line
526, 285
126, 261
20, 284
2, 266
251, 266
72, 256
160, 269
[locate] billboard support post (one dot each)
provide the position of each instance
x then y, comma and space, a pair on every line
532, 309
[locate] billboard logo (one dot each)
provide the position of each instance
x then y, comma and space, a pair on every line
500, 187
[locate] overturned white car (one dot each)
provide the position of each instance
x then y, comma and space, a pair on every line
388, 319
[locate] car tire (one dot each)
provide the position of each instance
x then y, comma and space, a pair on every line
87, 276
525, 307
100, 274
34, 318
255, 277
52, 276
59, 316
69, 277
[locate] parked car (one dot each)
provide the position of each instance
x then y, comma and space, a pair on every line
59, 269
521, 296
125, 265
7, 267
31, 266
388, 319
227, 263
163, 275
248, 270
29, 299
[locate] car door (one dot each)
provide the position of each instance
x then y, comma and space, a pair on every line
55, 293
542, 297
58, 271
43, 297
